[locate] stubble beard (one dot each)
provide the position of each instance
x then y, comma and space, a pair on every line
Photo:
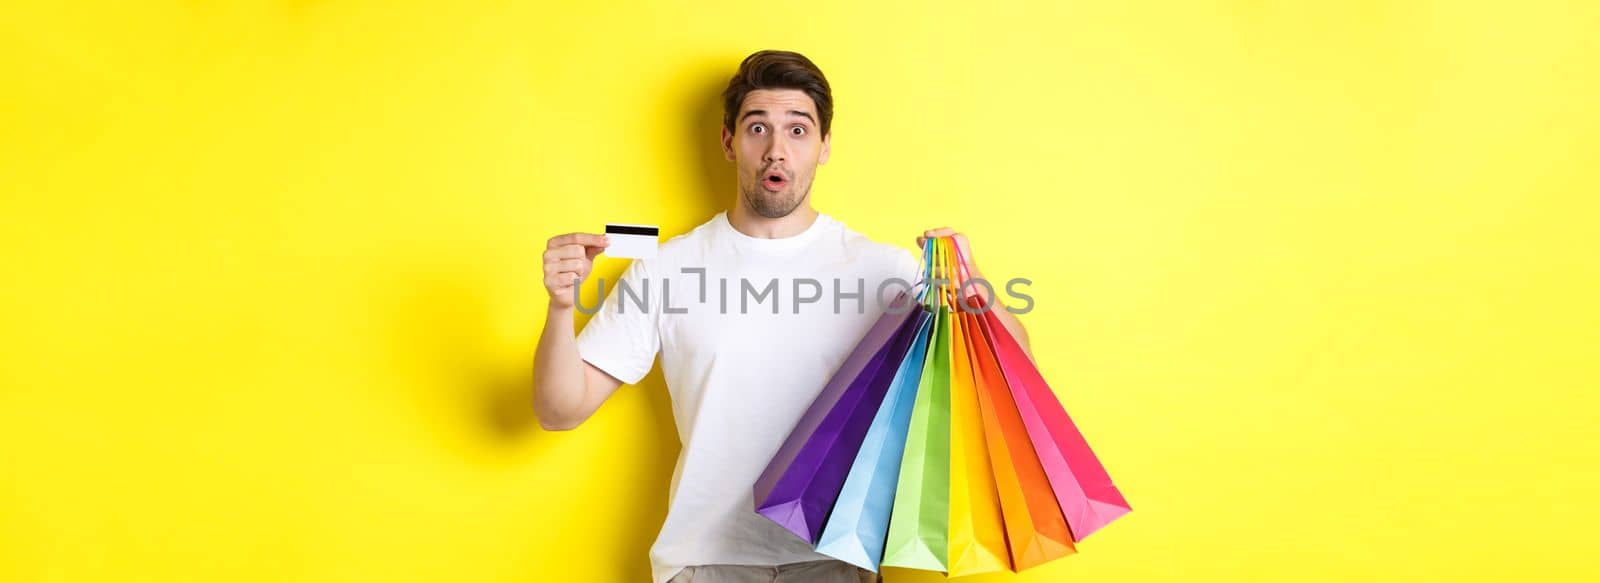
775, 205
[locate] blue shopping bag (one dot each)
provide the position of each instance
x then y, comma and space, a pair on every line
859, 524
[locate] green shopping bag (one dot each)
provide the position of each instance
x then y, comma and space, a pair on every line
919, 527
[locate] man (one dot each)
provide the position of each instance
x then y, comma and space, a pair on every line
747, 337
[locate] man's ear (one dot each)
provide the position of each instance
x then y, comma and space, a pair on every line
727, 144
826, 138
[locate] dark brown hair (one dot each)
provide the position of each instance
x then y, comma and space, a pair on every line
778, 70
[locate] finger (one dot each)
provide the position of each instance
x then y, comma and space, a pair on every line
576, 239
587, 239
573, 251
566, 266
571, 266
939, 232
560, 281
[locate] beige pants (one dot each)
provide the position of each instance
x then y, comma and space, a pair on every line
817, 571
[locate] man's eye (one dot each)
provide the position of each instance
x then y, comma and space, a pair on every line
799, 131
758, 128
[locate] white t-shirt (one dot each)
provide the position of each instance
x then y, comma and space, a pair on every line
742, 362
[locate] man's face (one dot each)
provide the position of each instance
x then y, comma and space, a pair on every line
777, 145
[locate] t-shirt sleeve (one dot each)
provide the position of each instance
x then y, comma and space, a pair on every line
902, 265
622, 339
908, 265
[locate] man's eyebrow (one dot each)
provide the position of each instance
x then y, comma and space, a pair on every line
804, 114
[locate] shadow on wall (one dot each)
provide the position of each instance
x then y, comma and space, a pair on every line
448, 364
508, 400
443, 321
718, 177
503, 391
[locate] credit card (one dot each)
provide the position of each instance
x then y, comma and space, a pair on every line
632, 241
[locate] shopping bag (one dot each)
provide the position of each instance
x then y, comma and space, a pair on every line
1080, 483
803, 479
1081, 486
919, 527
977, 536
855, 530
940, 390
1036, 530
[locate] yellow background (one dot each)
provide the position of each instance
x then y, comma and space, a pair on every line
1317, 279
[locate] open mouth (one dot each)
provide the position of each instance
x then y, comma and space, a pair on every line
774, 180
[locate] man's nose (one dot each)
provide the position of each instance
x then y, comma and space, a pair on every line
776, 152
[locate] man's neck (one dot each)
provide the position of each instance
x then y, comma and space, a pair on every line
748, 222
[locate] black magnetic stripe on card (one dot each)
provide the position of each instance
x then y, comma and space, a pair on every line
627, 230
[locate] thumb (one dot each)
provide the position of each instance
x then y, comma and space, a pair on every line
591, 251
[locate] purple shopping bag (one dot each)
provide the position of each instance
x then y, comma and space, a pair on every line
800, 484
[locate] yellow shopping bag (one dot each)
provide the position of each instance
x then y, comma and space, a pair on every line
977, 533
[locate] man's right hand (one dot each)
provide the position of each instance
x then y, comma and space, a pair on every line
567, 390
567, 261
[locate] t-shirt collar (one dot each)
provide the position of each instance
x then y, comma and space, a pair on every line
781, 244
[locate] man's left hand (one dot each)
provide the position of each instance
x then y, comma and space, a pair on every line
961, 244
982, 291
965, 249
